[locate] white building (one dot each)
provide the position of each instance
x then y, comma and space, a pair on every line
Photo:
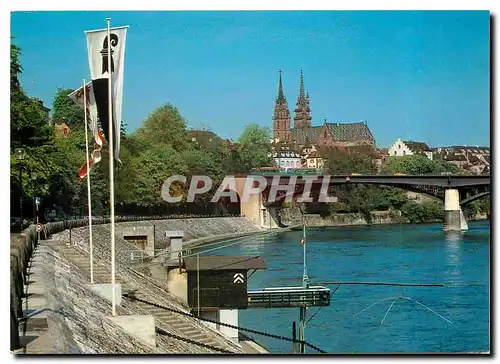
285, 156
407, 147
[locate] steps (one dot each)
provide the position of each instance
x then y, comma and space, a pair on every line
177, 322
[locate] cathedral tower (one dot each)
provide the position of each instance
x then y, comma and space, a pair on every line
302, 118
281, 118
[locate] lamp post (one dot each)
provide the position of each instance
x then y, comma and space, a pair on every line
34, 176
20, 155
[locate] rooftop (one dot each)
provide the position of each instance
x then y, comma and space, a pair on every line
224, 263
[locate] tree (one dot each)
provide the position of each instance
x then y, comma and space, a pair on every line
29, 124
341, 163
255, 147
165, 125
66, 110
416, 165
152, 167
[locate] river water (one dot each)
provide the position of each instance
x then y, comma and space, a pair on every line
395, 253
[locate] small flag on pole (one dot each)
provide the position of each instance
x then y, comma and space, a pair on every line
77, 97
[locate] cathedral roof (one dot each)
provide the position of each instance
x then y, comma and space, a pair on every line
350, 132
306, 135
346, 132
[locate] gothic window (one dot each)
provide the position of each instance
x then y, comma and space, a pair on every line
399, 146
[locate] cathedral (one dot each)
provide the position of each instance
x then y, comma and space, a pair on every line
303, 133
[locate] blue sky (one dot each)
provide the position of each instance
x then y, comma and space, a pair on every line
422, 76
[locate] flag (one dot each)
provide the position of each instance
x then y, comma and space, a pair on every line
97, 47
77, 97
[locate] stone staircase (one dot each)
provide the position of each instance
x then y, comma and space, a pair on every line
81, 259
185, 328
163, 317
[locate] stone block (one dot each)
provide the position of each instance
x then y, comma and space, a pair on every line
140, 326
105, 290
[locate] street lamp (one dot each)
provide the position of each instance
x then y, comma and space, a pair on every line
20, 155
34, 176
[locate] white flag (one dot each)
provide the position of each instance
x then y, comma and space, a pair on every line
77, 97
97, 47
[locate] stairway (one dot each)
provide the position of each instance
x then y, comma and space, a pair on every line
102, 274
174, 320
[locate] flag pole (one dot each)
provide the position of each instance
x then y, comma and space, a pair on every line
88, 183
111, 173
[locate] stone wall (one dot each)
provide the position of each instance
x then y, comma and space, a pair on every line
78, 320
346, 219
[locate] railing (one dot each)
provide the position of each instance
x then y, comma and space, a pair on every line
289, 297
106, 219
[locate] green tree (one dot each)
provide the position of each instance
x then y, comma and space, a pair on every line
165, 125
29, 123
254, 148
416, 165
66, 110
342, 163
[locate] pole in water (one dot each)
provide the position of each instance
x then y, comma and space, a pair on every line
294, 336
305, 278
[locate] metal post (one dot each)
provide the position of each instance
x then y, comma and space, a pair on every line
111, 172
294, 336
89, 202
198, 281
22, 193
302, 326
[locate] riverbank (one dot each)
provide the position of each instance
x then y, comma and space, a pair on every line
389, 217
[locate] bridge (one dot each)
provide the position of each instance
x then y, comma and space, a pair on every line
449, 188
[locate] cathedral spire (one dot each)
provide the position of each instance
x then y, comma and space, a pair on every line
281, 96
281, 117
302, 110
301, 93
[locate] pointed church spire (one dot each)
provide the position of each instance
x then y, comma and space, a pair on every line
302, 118
281, 96
301, 93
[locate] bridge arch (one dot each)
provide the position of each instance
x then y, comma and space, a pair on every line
474, 198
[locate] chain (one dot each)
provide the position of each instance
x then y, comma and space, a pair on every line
227, 325
163, 332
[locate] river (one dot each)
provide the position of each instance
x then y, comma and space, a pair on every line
391, 253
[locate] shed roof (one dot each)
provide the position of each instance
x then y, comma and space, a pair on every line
225, 263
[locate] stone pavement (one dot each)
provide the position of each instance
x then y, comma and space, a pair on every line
33, 330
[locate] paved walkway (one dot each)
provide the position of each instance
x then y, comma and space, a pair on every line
33, 331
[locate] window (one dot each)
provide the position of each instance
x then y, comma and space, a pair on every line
404, 152
399, 146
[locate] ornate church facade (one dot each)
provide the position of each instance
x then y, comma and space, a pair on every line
303, 133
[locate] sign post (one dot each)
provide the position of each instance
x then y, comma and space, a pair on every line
39, 227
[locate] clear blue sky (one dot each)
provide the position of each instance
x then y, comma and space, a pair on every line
422, 76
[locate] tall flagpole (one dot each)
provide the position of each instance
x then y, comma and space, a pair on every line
88, 183
111, 173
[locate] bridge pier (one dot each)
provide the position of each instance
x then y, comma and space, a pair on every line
454, 219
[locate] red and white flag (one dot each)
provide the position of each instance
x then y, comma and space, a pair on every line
77, 97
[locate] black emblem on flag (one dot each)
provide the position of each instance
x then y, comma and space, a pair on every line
104, 53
